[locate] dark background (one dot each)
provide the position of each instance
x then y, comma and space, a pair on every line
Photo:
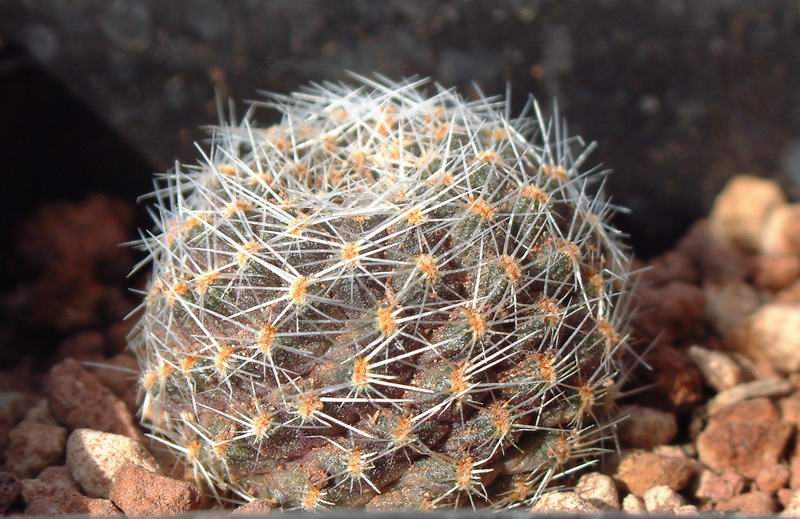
681, 95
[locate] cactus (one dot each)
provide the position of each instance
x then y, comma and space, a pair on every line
391, 298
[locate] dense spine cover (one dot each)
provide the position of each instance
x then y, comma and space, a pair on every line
389, 299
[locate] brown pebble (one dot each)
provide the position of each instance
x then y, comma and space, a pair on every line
137, 491
719, 487
58, 476
45, 499
752, 503
790, 408
32, 446
733, 410
645, 427
720, 371
257, 507
776, 272
745, 437
640, 471
743, 207
80, 401
784, 496
773, 478
677, 378
10, 489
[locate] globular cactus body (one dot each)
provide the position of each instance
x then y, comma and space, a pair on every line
386, 300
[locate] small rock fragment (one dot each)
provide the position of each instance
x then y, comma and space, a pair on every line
751, 503
33, 446
771, 335
10, 489
781, 234
745, 438
677, 378
773, 478
646, 427
40, 413
729, 304
718, 369
563, 502
633, 504
256, 507
137, 491
685, 510
768, 387
776, 272
599, 490
784, 496
58, 476
640, 471
93, 457
790, 408
741, 210
792, 507
79, 400
44, 499
661, 498
719, 487
13, 405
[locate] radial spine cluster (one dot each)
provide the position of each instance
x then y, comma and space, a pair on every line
394, 297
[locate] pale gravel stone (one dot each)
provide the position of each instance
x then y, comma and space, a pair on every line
633, 505
662, 499
771, 334
741, 210
563, 502
719, 370
93, 457
768, 387
598, 489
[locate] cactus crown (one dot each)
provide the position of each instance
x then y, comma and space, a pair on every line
387, 299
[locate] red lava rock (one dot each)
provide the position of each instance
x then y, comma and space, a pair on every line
10, 489
719, 487
45, 499
677, 376
748, 411
776, 272
80, 401
773, 478
640, 471
137, 491
746, 437
751, 503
